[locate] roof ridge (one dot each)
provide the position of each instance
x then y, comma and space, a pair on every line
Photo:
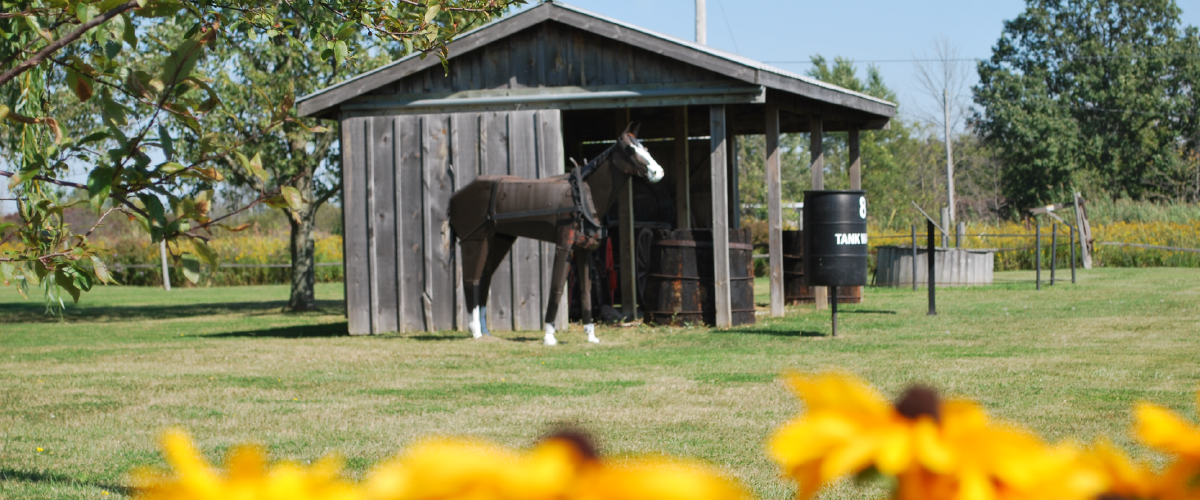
551, 5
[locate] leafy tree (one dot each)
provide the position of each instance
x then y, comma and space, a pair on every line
1091, 93
142, 108
298, 158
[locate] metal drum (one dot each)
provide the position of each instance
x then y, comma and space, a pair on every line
679, 287
795, 291
835, 238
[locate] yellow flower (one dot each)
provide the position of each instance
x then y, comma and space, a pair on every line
246, 477
1124, 477
561, 468
1159, 428
847, 429
470, 469
936, 450
657, 479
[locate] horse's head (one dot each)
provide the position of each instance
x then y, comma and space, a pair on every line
639, 159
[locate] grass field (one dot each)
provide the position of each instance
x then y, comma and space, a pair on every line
94, 391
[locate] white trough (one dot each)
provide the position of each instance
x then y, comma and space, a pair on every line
954, 266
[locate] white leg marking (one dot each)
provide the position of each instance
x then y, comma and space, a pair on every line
550, 340
473, 325
590, 328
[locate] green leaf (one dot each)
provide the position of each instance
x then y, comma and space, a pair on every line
154, 208
206, 252
432, 12
108, 5
99, 185
165, 141
93, 137
114, 114
191, 267
255, 167
101, 271
292, 197
182, 61
85, 12
67, 282
112, 48
340, 51
79, 85
8, 272
80, 278
169, 168
128, 33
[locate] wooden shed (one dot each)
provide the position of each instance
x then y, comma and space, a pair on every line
523, 93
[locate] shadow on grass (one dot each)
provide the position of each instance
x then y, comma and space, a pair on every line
291, 332
779, 333
35, 312
7, 474
865, 311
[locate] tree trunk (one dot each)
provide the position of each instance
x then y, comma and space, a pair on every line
304, 276
303, 256
303, 222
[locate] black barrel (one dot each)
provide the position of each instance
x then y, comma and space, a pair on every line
795, 290
835, 238
679, 287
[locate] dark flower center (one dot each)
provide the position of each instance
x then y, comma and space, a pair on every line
581, 440
919, 400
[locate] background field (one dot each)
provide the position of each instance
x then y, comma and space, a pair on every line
224, 363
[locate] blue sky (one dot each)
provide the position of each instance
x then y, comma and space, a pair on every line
777, 31
866, 30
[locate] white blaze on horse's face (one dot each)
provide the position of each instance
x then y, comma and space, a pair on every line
654, 172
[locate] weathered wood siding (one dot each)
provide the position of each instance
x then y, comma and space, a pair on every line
402, 263
550, 55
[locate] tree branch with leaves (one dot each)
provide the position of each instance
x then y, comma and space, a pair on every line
129, 94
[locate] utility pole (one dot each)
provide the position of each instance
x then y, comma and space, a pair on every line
949, 157
701, 23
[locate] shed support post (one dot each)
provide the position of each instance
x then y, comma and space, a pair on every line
820, 293
720, 215
627, 237
774, 210
855, 159
683, 174
731, 164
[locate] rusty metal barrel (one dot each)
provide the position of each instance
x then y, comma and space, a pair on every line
795, 291
680, 288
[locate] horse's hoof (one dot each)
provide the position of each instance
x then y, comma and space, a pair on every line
487, 338
593, 340
550, 341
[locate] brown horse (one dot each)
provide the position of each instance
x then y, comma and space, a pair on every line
489, 214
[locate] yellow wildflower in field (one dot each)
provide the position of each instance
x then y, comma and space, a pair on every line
935, 450
246, 476
1162, 429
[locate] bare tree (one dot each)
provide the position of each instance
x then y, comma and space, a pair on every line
943, 77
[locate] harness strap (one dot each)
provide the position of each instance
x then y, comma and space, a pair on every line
534, 213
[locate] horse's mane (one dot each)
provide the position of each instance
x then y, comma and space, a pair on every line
591, 165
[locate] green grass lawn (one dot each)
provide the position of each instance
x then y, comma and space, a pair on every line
226, 364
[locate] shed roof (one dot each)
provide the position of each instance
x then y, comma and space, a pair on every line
753, 81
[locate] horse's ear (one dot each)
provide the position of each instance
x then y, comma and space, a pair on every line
636, 126
627, 127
